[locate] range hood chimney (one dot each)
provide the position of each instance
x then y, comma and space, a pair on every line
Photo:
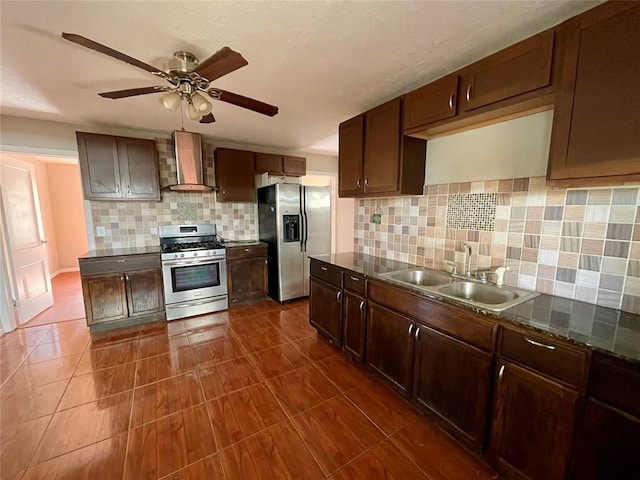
189, 162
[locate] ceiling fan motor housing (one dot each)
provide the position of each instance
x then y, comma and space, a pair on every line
182, 62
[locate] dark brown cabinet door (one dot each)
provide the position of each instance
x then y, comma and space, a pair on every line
294, 166
382, 148
596, 125
354, 315
144, 292
607, 444
105, 298
351, 157
138, 169
99, 166
247, 278
452, 379
433, 102
235, 171
268, 162
325, 310
390, 346
521, 68
532, 424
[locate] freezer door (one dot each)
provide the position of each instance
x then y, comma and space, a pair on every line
317, 226
290, 265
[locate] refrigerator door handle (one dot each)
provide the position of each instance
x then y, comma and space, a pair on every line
305, 225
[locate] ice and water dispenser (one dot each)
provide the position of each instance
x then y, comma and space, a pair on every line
291, 225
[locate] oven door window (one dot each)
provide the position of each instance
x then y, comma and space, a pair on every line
193, 277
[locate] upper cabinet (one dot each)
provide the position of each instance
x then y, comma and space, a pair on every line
275, 164
512, 81
521, 68
118, 168
596, 127
375, 159
433, 102
234, 170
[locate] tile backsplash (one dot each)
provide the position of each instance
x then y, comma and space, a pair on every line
575, 243
135, 224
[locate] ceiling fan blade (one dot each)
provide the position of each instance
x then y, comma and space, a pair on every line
98, 47
220, 63
242, 101
208, 118
132, 92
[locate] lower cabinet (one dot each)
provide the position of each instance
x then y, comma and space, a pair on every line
122, 290
453, 380
532, 424
325, 309
354, 316
246, 273
390, 345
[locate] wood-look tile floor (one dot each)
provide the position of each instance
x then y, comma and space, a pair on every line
250, 393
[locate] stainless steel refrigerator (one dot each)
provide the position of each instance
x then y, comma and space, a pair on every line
295, 222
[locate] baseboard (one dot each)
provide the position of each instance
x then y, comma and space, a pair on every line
63, 270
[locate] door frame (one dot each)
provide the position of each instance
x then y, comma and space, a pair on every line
8, 312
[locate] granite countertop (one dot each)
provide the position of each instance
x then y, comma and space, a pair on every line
604, 329
114, 252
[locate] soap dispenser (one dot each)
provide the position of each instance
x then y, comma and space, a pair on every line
500, 271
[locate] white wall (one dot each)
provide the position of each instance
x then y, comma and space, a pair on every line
512, 149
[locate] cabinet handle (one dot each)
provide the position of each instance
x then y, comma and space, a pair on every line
468, 93
358, 182
246, 249
121, 261
265, 261
410, 329
122, 278
451, 101
361, 307
324, 269
355, 279
128, 189
118, 189
417, 334
501, 372
538, 344
339, 296
366, 181
126, 277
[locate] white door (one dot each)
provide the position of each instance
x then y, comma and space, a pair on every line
27, 245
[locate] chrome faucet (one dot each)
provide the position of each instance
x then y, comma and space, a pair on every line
467, 260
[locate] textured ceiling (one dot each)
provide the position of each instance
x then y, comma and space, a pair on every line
321, 62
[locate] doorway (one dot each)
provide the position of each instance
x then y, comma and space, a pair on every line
60, 231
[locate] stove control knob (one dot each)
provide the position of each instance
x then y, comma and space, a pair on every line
182, 255
175, 255
195, 254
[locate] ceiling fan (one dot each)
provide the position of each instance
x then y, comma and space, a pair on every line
187, 77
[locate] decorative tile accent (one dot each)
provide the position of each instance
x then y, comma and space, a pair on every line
473, 211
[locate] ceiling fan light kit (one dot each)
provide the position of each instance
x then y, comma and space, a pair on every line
188, 77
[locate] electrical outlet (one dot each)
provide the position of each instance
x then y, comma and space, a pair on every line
100, 232
376, 218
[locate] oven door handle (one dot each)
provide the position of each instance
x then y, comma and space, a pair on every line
183, 263
195, 304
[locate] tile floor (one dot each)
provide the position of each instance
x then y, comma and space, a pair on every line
250, 393
68, 303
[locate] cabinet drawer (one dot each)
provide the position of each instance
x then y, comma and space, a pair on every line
252, 251
355, 283
326, 272
616, 382
118, 264
461, 324
550, 357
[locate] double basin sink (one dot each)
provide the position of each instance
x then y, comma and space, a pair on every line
463, 289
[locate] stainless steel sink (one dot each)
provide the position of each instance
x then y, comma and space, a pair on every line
437, 284
421, 277
478, 292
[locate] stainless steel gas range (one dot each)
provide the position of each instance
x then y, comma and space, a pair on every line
194, 270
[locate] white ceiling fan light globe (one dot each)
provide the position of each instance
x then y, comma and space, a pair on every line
171, 101
193, 113
201, 103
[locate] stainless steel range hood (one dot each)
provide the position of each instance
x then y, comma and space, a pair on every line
188, 147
